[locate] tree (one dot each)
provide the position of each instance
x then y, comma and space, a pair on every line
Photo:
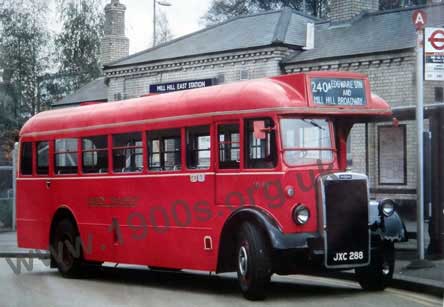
394, 4
163, 31
78, 44
221, 10
24, 58
24, 53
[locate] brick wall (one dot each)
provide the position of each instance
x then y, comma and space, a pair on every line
342, 10
134, 81
115, 44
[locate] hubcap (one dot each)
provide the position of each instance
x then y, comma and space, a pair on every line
243, 261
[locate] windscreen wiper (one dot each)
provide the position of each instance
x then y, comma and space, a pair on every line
312, 122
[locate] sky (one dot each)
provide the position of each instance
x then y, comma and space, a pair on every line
184, 16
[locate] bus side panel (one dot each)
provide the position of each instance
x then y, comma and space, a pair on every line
144, 219
267, 190
33, 204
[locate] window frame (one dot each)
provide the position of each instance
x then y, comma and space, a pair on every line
182, 154
333, 147
106, 150
240, 124
403, 128
32, 158
55, 153
37, 158
112, 148
211, 149
274, 131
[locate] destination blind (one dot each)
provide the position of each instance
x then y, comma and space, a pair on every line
338, 91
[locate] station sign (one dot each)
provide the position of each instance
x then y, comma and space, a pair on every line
338, 91
180, 86
434, 54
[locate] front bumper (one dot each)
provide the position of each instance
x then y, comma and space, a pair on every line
304, 252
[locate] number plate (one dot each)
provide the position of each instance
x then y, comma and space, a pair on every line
341, 258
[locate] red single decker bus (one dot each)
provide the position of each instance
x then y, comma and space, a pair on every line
248, 177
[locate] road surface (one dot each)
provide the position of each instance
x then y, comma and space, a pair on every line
138, 286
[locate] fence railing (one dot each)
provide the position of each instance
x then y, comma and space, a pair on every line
7, 194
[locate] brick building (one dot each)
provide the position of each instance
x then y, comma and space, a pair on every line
356, 37
115, 44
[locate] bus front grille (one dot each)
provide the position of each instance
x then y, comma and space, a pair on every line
345, 220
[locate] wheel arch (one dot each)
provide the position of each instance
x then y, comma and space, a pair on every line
61, 213
227, 243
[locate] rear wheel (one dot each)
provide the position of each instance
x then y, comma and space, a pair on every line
377, 276
66, 250
253, 262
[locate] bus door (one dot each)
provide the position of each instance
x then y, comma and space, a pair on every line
228, 192
259, 181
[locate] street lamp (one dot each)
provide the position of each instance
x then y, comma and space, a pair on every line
162, 3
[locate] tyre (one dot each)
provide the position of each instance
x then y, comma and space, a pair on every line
253, 262
377, 276
66, 250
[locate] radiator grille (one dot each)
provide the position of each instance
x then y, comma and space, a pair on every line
346, 220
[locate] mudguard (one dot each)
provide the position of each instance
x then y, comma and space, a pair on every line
391, 228
278, 240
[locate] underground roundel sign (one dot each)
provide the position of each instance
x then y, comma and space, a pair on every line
434, 54
436, 39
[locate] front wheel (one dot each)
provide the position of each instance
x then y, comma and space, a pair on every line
377, 276
253, 262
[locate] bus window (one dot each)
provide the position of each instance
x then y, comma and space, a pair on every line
261, 153
306, 141
127, 152
198, 147
95, 154
66, 156
26, 159
42, 158
164, 150
229, 146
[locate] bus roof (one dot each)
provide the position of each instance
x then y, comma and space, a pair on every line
286, 94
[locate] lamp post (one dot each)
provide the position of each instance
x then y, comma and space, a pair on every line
161, 3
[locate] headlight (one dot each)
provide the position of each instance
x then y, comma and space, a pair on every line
301, 215
387, 207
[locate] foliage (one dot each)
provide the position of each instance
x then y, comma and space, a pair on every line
24, 59
9, 137
24, 56
78, 44
6, 213
394, 4
33, 73
163, 31
221, 10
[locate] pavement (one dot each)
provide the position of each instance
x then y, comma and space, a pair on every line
425, 280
